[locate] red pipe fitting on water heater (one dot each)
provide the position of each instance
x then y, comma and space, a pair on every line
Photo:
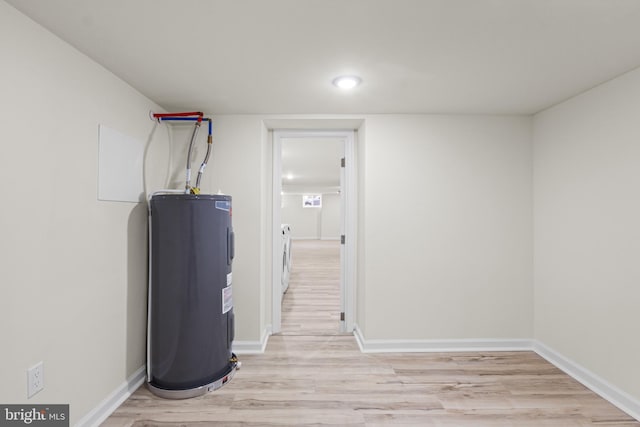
199, 114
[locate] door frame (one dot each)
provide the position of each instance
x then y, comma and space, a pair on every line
348, 210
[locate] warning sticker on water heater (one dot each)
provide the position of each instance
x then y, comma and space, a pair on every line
227, 299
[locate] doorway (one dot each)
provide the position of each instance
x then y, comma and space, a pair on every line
313, 191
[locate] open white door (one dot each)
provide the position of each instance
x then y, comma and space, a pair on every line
347, 225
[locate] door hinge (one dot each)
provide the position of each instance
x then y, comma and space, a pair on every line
342, 316
342, 239
342, 162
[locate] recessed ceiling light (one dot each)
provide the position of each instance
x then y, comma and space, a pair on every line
347, 82
289, 176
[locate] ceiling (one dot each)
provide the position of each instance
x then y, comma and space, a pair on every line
311, 164
414, 56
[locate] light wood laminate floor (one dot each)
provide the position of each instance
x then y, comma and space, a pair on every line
311, 305
311, 376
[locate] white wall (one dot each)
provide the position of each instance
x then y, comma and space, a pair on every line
312, 223
237, 169
304, 222
361, 226
330, 217
444, 225
446, 217
73, 268
587, 230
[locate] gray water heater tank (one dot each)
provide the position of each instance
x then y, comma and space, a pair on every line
190, 307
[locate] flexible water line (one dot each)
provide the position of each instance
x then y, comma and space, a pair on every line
188, 116
144, 159
170, 160
206, 158
203, 165
193, 137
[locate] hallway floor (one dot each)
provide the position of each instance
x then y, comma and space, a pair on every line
311, 305
310, 375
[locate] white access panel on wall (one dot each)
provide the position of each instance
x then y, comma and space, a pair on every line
120, 166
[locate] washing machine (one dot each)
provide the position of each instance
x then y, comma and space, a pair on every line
286, 256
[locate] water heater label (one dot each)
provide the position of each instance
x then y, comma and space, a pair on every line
229, 277
227, 299
223, 205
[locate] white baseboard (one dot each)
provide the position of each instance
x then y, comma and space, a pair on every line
315, 238
101, 412
253, 347
448, 345
607, 391
126, 389
122, 393
604, 389
357, 333
593, 382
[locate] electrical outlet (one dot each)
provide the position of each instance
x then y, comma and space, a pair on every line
35, 379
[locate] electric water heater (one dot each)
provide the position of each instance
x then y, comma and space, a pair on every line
190, 308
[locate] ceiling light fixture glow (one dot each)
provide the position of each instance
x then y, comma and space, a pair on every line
347, 82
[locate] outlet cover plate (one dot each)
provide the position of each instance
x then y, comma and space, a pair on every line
35, 379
